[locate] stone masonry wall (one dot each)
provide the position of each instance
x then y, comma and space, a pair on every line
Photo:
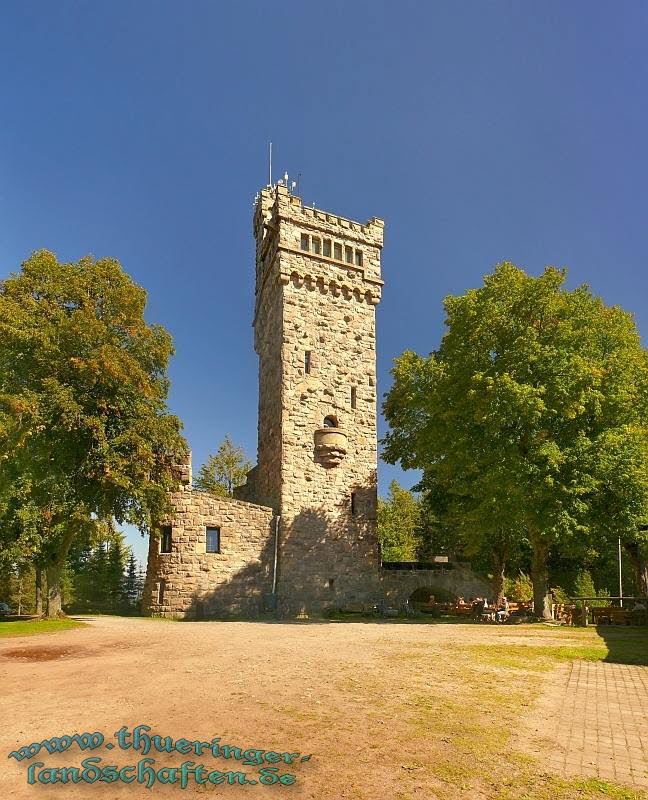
198, 583
398, 585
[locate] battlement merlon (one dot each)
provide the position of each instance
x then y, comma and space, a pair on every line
281, 222
275, 204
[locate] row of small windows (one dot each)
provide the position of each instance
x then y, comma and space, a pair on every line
325, 247
212, 539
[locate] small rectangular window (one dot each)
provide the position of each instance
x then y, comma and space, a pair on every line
337, 251
161, 588
316, 245
165, 539
212, 541
354, 397
348, 252
327, 248
331, 582
354, 508
304, 241
358, 258
307, 362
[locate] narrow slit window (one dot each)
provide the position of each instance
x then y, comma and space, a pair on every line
305, 242
307, 362
337, 251
348, 252
358, 258
212, 541
331, 582
327, 248
316, 248
354, 504
161, 588
354, 397
165, 539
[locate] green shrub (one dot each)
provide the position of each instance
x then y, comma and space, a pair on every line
561, 596
584, 587
519, 589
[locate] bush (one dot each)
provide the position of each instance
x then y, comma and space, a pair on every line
584, 587
561, 596
519, 589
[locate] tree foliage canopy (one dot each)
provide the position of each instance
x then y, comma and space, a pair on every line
533, 396
224, 471
399, 521
85, 433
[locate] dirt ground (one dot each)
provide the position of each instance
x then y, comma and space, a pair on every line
387, 710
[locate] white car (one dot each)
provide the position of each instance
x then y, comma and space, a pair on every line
5, 610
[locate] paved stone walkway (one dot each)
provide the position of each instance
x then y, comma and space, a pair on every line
598, 719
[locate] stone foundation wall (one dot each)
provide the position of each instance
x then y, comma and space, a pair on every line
198, 583
398, 585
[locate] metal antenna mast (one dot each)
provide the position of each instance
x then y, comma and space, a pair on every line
270, 164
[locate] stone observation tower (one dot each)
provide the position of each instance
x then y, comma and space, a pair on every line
317, 286
300, 536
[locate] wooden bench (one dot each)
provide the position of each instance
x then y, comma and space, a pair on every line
609, 615
425, 608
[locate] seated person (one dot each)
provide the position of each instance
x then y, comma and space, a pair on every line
488, 612
502, 613
477, 608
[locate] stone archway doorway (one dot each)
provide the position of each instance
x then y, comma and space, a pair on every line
422, 599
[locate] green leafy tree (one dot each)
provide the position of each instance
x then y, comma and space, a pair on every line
519, 589
117, 556
224, 471
620, 508
97, 568
17, 588
132, 582
510, 414
399, 518
584, 587
85, 433
478, 531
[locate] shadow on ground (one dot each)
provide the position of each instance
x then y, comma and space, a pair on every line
625, 645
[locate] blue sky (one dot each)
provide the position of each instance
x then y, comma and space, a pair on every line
480, 131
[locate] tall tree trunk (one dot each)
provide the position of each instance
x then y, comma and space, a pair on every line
499, 570
640, 566
540, 577
54, 571
39, 591
54, 599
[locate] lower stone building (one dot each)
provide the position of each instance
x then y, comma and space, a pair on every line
212, 558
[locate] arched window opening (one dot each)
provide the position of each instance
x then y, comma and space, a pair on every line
330, 422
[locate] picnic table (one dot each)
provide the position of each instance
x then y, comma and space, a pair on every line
613, 615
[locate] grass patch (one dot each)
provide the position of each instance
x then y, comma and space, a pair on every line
617, 646
538, 658
549, 787
33, 626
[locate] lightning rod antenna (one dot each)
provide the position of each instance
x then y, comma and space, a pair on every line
270, 164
